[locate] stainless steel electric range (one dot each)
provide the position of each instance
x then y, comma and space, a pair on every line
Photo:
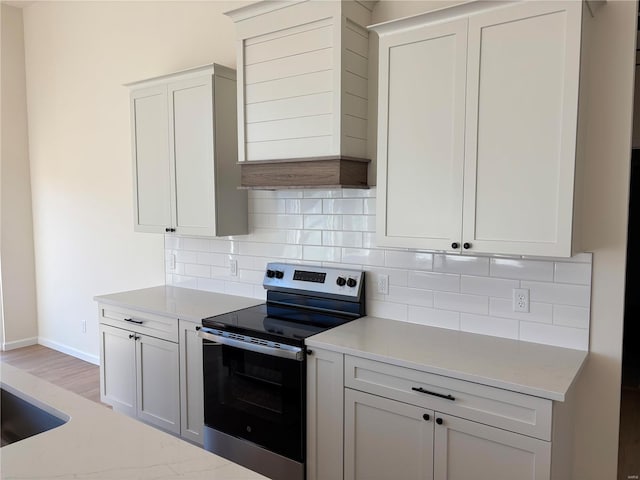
254, 363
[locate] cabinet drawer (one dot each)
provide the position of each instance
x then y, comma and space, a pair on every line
150, 324
492, 406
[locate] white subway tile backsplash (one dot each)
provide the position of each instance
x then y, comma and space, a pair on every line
492, 287
521, 269
211, 285
217, 259
461, 303
397, 276
337, 228
556, 293
576, 338
323, 222
486, 325
193, 270
361, 223
274, 250
410, 296
363, 256
322, 194
538, 312
369, 206
322, 254
461, 264
342, 239
349, 206
395, 311
409, 260
269, 220
577, 273
196, 244
444, 282
184, 256
434, 318
576, 317
369, 240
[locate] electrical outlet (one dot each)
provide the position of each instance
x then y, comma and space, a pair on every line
383, 284
84, 326
521, 300
171, 263
233, 268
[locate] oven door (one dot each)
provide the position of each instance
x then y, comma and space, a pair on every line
255, 395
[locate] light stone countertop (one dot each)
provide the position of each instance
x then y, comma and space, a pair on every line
99, 444
184, 303
530, 368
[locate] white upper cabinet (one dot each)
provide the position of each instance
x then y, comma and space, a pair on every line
185, 153
477, 128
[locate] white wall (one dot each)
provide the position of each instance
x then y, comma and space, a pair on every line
16, 243
78, 55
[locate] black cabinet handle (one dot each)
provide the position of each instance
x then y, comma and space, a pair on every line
466, 245
131, 335
131, 320
439, 421
173, 229
198, 327
309, 351
422, 390
426, 416
167, 229
455, 245
136, 337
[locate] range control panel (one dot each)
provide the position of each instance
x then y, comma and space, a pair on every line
335, 281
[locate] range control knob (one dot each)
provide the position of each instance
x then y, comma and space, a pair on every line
279, 274
341, 281
352, 282
271, 273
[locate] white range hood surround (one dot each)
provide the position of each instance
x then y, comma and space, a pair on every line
303, 92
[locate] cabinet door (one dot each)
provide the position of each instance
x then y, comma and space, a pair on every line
117, 372
522, 99
325, 407
386, 439
150, 152
421, 136
158, 383
191, 151
191, 395
465, 449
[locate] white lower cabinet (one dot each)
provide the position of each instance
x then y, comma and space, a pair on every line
386, 439
398, 422
465, 449
191, 383
325, 408
139, 376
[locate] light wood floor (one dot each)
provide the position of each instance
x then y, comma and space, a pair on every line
58, 368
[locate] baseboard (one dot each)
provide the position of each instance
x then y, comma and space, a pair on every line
25, 342
95, 359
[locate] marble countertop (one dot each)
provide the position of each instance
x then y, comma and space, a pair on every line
531, 368
99, 444
184, 303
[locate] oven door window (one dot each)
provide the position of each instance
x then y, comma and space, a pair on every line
256, 397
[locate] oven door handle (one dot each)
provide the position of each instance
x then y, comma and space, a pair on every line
289, 353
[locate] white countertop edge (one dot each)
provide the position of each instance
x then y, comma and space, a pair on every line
536, 392
103, 300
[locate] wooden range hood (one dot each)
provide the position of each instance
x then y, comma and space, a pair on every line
303, 93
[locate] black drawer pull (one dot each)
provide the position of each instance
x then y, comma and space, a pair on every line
131, 320
422, 390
